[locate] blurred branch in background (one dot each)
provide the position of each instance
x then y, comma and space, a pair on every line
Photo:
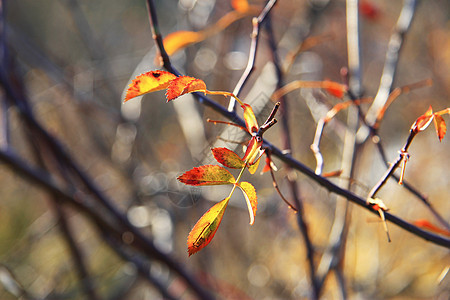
108, 176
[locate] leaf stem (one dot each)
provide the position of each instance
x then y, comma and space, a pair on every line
231, 95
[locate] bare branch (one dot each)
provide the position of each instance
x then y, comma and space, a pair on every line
390, 66
252, 54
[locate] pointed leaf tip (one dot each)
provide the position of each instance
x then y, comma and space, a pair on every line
204, 230
149, 82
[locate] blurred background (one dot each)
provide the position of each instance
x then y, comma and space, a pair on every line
76, 58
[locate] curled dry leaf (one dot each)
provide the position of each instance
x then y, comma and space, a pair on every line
207, 175
250, 197
183, 85
149, 82
206, 227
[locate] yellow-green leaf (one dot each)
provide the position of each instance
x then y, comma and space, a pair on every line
206, 227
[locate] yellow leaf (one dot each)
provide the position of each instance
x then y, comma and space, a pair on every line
252, 168
149, 82
250, 119
206, 227
181, 39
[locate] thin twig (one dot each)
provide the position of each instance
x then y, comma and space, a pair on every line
141, 241
322, 181
402, 158
252, 53
301, 221
390, 66
142, 267
334, 257
78, 259
93, 46
411, 188
4, 59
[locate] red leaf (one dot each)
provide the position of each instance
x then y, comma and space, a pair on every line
250, 197
441, 127
228, 158
183, 85
423, 121
204, 230
207, 175
422, 223
149, 82
250, 119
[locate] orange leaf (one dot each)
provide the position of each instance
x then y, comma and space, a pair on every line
423, 121
181, 39
183, 85
250, 119
149, 82
250, 197
422, 223
333, 88
207, 175
228, 158
240, 5
206, 227
441, 127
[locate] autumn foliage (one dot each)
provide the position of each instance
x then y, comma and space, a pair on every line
206, 227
